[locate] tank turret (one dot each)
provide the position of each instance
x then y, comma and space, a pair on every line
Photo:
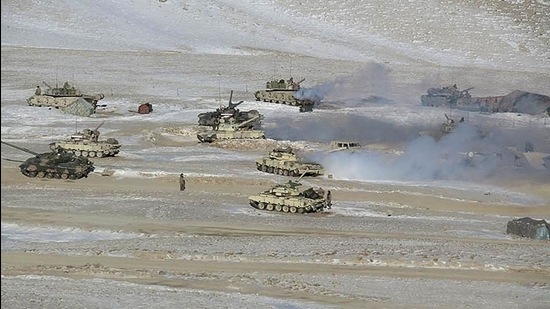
87, 144
286, 92
284, 161
290, 197
56, 164
67, 98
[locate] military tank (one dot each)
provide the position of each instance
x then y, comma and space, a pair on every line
87, 143
67, 98
446, 96
286, 92
229, 129
231, 125
284, 161
56, 164
290, 197
444, 129
231, 110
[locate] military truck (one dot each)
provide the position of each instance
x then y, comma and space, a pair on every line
67, 98
286, 92
86, 143
291, 197
56, 164
284, 161
347, 146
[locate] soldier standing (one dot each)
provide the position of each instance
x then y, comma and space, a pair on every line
182, 183
38, 91
329, 200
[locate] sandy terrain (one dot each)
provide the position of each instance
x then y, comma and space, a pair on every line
398, 240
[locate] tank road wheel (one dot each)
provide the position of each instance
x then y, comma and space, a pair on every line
270, 207
279, 171
261, 206
72, 177
77, 153
92, 154
293, 209
300, 210
41, 175
293, 173
285, 208
64, 175
31, 174
285, 172
308, 209
100, 154
264, 168
49, 175
84, 153
271, 169
278, 207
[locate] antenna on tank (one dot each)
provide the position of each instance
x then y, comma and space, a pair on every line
220, 89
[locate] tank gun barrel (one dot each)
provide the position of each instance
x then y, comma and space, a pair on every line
47, 85
20, 148
231, 104
242, 124
468, 89
97, 128
301, 81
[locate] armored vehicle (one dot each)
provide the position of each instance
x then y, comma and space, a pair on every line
67, 98
446, 96
286, 92
344, 146
229, 129
290, 197
87, 143
231, 124
444, 129
56, 164
231, 110
284, 161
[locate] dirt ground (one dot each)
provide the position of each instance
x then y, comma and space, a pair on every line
382, 245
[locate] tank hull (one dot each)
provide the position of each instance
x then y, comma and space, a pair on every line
100, 149
299, 205
211, 136
284, 97
289, 168
66, 170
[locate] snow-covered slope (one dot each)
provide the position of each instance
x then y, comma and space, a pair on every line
513, 34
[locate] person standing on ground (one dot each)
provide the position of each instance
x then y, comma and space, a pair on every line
329, 199
182, 183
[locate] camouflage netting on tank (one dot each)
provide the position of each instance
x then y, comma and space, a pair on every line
80, 107
528, 227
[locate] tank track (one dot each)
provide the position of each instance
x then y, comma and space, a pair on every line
284, 208
283, 97
61, 173
285, 172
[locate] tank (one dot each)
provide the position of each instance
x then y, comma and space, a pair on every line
290, 197
87, 144
286, 92
284, 161
230, 125
57, 164
445, 128
231, 110
446, 96
67, 98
